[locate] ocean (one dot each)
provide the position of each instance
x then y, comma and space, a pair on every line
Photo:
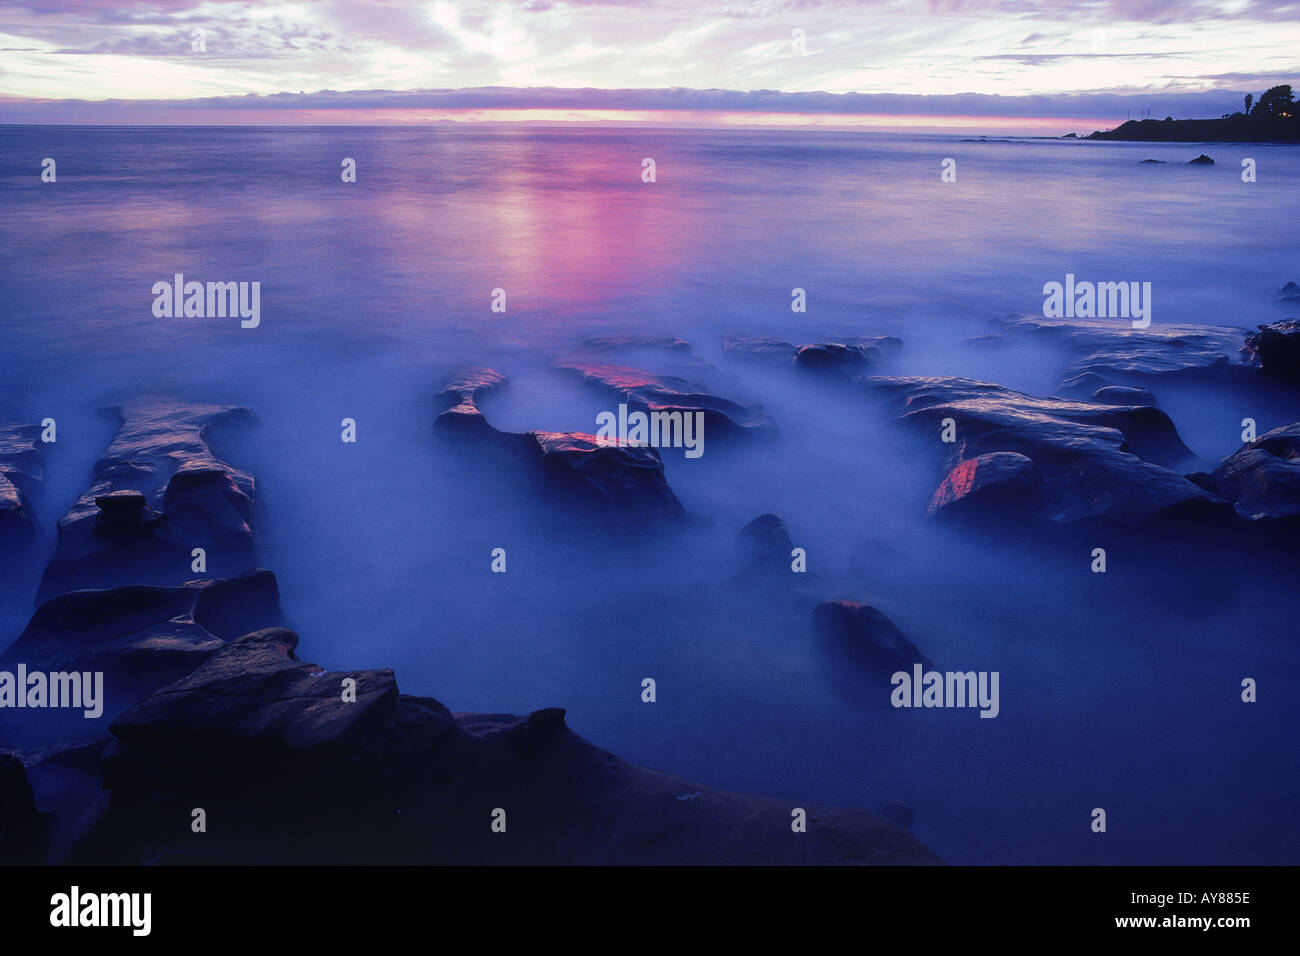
1118, 691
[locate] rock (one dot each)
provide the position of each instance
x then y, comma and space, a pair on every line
1262, 478
752, 347
1201, 160
1277, 349
1289, 289
1112, 352
984, 482
1124, 395
898, 812
575, 469
619, 343
1144, 162
986, 341
646, 392
157, 493
1094, 462
296, 775
143, 637
868, 636
23, 831
625, 480
253, 691
836, 358
765, 546
22, 472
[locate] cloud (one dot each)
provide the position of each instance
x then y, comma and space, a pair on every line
1081, 105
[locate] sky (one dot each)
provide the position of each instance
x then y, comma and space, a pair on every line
1050, 66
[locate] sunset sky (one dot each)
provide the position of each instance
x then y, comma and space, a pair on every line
674, 62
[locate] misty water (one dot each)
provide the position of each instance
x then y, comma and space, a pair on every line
1118, 691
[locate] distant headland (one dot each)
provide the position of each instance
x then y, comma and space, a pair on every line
1275, 118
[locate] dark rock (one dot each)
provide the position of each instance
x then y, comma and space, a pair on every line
1160, 162
1277, 349
1201, 160
578, 470
255, 691
1111, 352
626, 480
834, 357
751, 347
23, 832
986, 341
1289, 289
765, 546
1094, 462
293, 774
21, 474
619, 343
143, 637
898, 812
987, 481
1262, 478
646, 392
158, 492
1124, 395
865, 634
124, 511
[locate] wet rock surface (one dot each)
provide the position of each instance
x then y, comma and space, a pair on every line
647, 392
267, 745
1091, 461
572, 468
1277, 349
157, 493
143, 636
22, 472
1111, 352
1262, 479
864, 634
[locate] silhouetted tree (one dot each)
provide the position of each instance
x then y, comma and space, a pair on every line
1250, 98
1275, 102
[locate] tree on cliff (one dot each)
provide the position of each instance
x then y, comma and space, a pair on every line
1275, 102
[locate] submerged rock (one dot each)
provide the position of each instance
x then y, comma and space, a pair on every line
295, 773
1124, 395
1277, 349
898, 811
1201, 160
618, 479
837, 358
572, 468
157, 493
1262, 478
1111, 352
1091, 461
865, 634
619, 343
21, 473
854, 354
647, 392
765, 546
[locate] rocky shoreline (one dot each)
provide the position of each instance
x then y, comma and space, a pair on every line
155, 582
